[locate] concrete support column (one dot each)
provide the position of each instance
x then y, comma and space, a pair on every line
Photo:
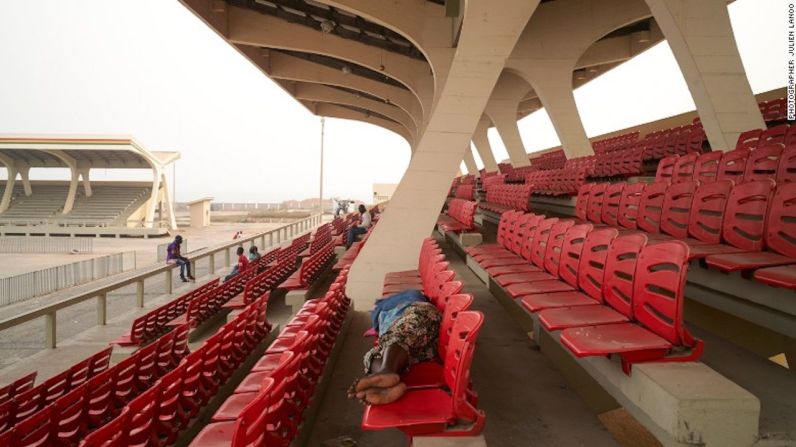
702, 40
24, 173
469, 161
70, 196
84, 175
211, 261
102, 309
153, 199
168, 281
488, 34
139, 293
481, 142
167, 201
9, 191
502, 110
50, 328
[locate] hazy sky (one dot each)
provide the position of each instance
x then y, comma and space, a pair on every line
150, 69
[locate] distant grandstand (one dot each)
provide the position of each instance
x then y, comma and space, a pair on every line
107, 208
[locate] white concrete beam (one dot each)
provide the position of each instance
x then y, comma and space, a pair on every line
701, 37
337, 111
488, 34
469, 161
481, 142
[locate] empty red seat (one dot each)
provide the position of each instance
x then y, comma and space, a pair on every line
650, 207
733, 165
666, 169
657, 303
629, 204
780, 237
763, 162
613, 197
684, 168
706, 169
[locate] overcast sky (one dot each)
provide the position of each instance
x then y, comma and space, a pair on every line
150, 69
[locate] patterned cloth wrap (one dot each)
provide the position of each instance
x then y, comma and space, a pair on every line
409, 320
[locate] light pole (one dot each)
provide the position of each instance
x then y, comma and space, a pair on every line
320, 195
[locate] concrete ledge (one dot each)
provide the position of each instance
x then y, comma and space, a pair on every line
476, 268
555, 206
681, 404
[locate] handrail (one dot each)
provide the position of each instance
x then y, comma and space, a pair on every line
100, 292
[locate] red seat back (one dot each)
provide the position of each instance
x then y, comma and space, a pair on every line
708, 210
591, 270
582, 202
786, 170
620, 271
773, 135
684, 168
628, 207
459, 358
596, 200
112, 434
527, 238
665, 169
781, 229
659, 290
706, 169
650, 207
677, 209
733, 165
254, 419
540, 238
763, 162
612, 198
745, 217
454, 305
100, 398
68, 416
36, 430
749, 139
552, 256
142, 416
571, 253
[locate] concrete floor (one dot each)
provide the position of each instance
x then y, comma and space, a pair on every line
526, 399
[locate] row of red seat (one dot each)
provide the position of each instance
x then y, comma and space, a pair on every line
439, 399
311, 268
155, 323
775, 110
156, 416
267, 407
556, 182
747, 227
609, 294
465, 191
617, 143
492, 178
22, 399
78, 412
500, 198
459, 217
320, 237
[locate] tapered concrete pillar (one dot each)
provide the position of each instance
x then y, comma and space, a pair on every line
9, 191
552, 45
84, 175
24, 174
702, 40
502, 110
481, 142
153, 199
74, 181
469, 161
488, 34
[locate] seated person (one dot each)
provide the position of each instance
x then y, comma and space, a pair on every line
243, 262
173, 254
254, 253
362, 228
408, 327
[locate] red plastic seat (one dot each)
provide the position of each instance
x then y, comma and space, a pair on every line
665, 169
589, 256
249, 429
657, 304
613, 197
617, 290
22, 384
112, 434
763, 162
596, 200
582, 202
438, 411
650, 207
706, 169
745, 217
536, 248
684, 168
782, 276
780, 230
733, 165
629, 205
786, 170
676, 210
68, 416
748, 140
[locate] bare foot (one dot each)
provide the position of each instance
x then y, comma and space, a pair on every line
382, 396
378, 380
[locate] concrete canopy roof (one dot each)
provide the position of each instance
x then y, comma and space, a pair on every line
38, 151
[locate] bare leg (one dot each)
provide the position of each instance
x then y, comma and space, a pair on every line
383, 384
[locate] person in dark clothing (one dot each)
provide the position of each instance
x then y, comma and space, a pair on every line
173, 254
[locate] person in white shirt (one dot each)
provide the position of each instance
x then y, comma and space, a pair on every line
362, 228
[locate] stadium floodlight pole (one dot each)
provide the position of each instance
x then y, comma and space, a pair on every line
320, 195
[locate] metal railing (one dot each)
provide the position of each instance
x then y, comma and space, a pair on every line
42, 244
41, 282
100, 293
